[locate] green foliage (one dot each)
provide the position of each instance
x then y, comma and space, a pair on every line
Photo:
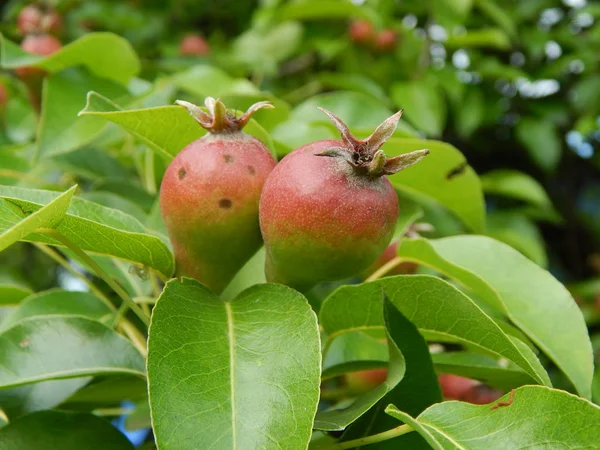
497, 237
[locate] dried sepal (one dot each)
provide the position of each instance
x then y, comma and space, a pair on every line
365, 155
218, 119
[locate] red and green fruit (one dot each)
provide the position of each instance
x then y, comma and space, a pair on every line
386, 40
455, 387
194, 45
210, 193
480, 394
365, 380
37, 44
361, 31
29, 20
327, 211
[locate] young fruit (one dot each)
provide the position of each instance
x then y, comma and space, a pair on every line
480, 394
3, 96
365, 380
361, 31
209, 196
327, 211
385, 40
29, 20
38, 44
455, 387
194, 45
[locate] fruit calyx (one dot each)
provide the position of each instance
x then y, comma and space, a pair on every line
218, 119
365, 155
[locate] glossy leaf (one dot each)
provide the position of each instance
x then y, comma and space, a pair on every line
18, 221
240, 374
165, 129
92, 227
59, 129
22, 400
538, 417
209, 81
418, 389
11, 293
34, 350
338, 418
62, 430
444, 175
423, 105
439, 310
529, 296
57, 302
106, 55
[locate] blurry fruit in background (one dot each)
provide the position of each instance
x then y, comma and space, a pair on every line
38, 44
386, 40
3, 95
365, 380
194, 45
35, 19
480, 394
455, 387
361, 31
29, 20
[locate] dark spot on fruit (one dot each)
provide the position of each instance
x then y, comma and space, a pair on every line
181, 173
228, 159
225, 203
251, 170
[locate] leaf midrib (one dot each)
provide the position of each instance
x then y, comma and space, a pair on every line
231, 339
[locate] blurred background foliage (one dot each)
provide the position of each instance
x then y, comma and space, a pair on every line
513, 84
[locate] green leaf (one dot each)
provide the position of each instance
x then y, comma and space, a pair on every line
444, 176
338, 418
109, 391
18, 221
34, 350
541, 139
92, 227
166, 129
22, 400
210, 81
106, 55
418, 389
529, 296
482, 368
519, 232
438, 309
353, 82
115, 201
62, 430
516, 185
487, 38
91, 163
469, 113
60, 130
357, 110
21, 120
12, 291
210, 364
58, 301
539, 417
139, 418
322, 9
423, 104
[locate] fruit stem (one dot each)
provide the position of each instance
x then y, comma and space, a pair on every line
383, 270
99, 271
373, 439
